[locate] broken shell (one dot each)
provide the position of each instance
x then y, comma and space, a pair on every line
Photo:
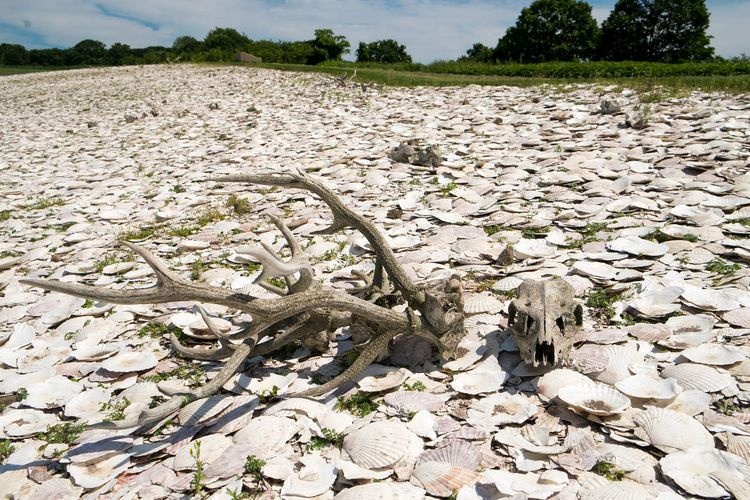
691, 470
381, 491
93, 475
442, 479
670, 430
130, 361
379, 444
314, 478
596, 399
550, 383
644, 386
713, 354
697, 377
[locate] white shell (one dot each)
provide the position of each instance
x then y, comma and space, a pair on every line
738, 317
647, 387
596, 399
713, 354
599, 271
51, 393
501, 409
96, 352
377, 378
203, 409
381, 491
532, 249
130, 361
698, 377
691, 470
314, 478
482, 303
267, 434
379, 444
634, 245
670, 430
93, 475
407, 402
690, 402
212, 446
458, 453
550, 383
442, 479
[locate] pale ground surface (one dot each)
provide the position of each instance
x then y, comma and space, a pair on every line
118, 149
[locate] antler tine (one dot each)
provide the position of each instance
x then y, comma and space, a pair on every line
343, 216
298, 256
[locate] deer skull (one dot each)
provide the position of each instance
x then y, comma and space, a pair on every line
544, 319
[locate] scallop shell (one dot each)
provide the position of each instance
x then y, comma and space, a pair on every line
594, 487
297, 406
737, 444
596, 399
56, 489
647, 387
507, 283
267, 434
620, 360
691, 470
314, 478
599, 271
478, 382
98, 448
634, 245
379, 444
24, 422
378, 378
690, 402
130, 361
93, 475
212, 446
87, 404
203, 409
96, 352
649, 332
52, 392
708, 299
670, 430
381, 491
482, 303
713, 354
407, 402
501, 409
458, 453
697, 377
533, 249
442, 479
739, 317
551, 383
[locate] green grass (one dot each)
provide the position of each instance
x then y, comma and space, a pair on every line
601, 303
61, 433
21, 70
608, 470
329, 438
718, 266
6, 448
116, 410
140, 233
417, 386
358, 404
5, 215
43, 203
191, 373
240, 206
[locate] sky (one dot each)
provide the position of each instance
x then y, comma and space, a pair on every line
430, 29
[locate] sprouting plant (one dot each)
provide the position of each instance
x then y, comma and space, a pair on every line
182, 231
208, 216
532, 232
6, 448
88, 304
156, 329
21, 394
329, 438
277, 281
43, 203
116, 410
416, 386
718, 266
265, 396
196, 485
727, 407
448, 188
197, 268
602, 303
608, 470
141, 233
254, 467
240, 206
191, 373
178, 188
358, 404
61, 433
5, 215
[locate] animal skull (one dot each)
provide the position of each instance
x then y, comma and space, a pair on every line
544, 319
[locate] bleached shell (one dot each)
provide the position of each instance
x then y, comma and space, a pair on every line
377, 378
52, 392
203, 409
657, 302
550, 383
709, 300
669, 430
96, 352
93, 475
211, 448
381, 491
649, 332
477, 382
266, 384
533, 249
634, 245
458, 453
691, 470
647, 387
267, 434
97, 448
598, 270
379, 444
314, 478
739, 317
406, 402
130, 361
504, 408
297, 406
88, 402
698, 377
25, 422
596, 399
482, 303
736, 444
713, 354
56, 488
594, 487
690, 402
620, 360
442, 479
507, 283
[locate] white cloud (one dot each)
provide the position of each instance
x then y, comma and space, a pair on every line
430, 29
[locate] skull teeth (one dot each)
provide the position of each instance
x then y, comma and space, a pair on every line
544, 353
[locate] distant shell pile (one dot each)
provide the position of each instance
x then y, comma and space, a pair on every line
650, 225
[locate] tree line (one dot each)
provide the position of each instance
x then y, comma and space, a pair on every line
546, 30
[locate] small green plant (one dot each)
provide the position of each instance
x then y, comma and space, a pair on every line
660, 236
196, 485
494, 228
534, 232
178, 188
6, 448
267, 190
448, 188
141, 233
43, 203
416, 386
241, 206
602, 303
277, 281
193, 374
588, 234
718, 266
608, 470
21, 394
5, 215
88, 304
182, 231
208, 216
329, 438
316, 378
254, 467
727, 407
116, 410
265, 396
348, 359
155, 329
156, 401
197, 268
61, 433
358, 404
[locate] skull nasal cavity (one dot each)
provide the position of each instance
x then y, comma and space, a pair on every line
561, 324
529, 323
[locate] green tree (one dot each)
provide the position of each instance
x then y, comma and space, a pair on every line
383, 51
89, 52
656, 30
47, 57
479, 52
119, 54
13, 54
186, 45
297, 52
329, 46
550, 30
226, 40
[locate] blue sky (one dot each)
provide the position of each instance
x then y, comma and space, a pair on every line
430, 29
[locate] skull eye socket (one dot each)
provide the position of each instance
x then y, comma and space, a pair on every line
446, 307
561, 324
529, 323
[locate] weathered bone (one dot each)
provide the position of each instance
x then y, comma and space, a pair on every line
303, 310
544, 319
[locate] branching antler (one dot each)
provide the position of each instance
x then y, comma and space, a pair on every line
302, 311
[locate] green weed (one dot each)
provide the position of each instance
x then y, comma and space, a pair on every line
61, 433
358, 404
329, 438
43, 203
416, 386
197, 484
718, 266
6, 448
602, 302
193, 374
116, 410
608, 470
141, 233
241, 206
5, 215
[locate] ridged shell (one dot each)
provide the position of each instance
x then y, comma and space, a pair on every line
599, 271
379, 444
87, 403
267, 434
442, 479
551, 383
713, 354
649, 332
670, 430
458, 453
532, 249
93, 475
634, 245
96, 352
596, 399
477, 382
697, 377
314, 478
56, 489
647, 387
406, 402
130, 361
621, 358
506, 284
594, 487
691, 470
690, 402
737, 444
708, 299
203, 409
501, 409
381, 491
739, 317
212, 447
482, 303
